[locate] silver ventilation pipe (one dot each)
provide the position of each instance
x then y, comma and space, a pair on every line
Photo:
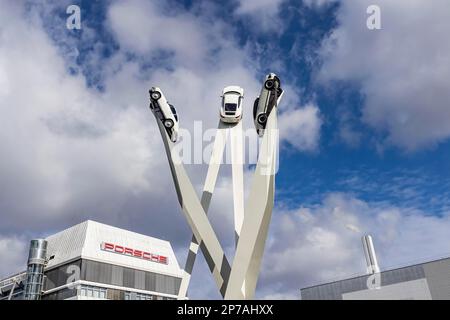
369, 252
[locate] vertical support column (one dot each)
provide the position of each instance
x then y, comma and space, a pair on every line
258, 212
196, 216
208, 189
237, 163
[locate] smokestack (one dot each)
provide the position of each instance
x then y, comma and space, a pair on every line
369, 252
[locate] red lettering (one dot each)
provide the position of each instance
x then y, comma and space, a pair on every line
108, 246
163, 259
146, 256
134, 253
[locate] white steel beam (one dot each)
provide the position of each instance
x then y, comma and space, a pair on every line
208, 189
195, 215
247, 260
237, 164
235, 132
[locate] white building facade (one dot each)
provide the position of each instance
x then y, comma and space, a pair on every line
95, 261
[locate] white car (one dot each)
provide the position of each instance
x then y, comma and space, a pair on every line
165, 112
271, 93
231, 108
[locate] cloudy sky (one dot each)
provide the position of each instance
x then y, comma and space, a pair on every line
364, 123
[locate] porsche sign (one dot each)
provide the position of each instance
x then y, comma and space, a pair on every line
127, 251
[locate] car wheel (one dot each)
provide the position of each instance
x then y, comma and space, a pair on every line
262, 118
168, 123
155, 95
269, 84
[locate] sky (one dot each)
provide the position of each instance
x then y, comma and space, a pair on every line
364, 126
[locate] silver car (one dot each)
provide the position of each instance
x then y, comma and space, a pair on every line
267, 100
231, 108
165, 112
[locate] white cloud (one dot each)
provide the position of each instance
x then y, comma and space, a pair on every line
263, 15
153, 30
63, 141
403, 69
312, 245
301, 127
71, 152
16, 251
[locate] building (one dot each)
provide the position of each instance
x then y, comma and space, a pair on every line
92, 260
425, 281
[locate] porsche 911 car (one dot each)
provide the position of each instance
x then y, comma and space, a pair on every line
165, 112
270, 94
231, 108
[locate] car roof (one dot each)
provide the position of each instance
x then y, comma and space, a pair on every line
233, 89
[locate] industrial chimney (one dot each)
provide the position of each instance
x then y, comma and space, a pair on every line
371, 258
35, 269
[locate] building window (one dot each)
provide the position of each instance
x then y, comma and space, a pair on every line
62, 294
138, 296
113, 294
93, 292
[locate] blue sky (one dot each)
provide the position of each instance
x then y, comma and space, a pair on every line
366, 137
330, 166
336, 166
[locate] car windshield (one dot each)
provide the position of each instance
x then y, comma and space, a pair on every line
230, 106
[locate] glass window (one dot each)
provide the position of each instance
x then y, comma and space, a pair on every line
230, 106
